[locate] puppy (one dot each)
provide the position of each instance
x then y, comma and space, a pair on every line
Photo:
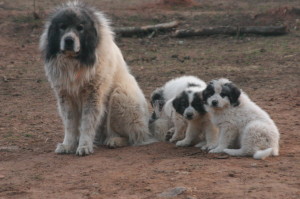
241, 122
92, 83
165, 123
189, 104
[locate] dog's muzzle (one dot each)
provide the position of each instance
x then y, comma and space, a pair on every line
214, 103
69, 44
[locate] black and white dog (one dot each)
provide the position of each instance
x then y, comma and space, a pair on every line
190, 105
242, 123
165, 123
180, 101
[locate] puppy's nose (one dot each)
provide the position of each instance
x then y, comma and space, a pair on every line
214, 103
69, 43
189, 116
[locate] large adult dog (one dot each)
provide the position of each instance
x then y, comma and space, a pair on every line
242, 123
92, 83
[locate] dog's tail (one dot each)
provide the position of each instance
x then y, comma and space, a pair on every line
262, 154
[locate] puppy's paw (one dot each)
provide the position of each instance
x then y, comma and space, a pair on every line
201, 145
169, 135
183, 143
84, 150
217, 150
63, 148
117, 142
209, 147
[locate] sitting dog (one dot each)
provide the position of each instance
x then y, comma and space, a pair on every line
242, 123
189, 104
165, 124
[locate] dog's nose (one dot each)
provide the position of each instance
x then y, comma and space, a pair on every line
214, 103
69, 43
189, 116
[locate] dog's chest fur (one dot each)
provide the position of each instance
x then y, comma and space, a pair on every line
67, 74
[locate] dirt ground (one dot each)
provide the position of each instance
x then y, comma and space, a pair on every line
267, 68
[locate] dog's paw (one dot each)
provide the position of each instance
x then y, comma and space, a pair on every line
169, 135
117, 142
84, 150
183, 143
217, 150
63, 148
208, 147
200, 144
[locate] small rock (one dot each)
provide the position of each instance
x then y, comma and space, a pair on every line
172, 192
2, 176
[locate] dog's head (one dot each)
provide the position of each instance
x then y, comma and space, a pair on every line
221, 93
157, 101
72, 32
189, 103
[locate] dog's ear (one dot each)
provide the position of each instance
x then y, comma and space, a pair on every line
208, 91
176, 104
53, 40
234, 94
88, 44
198, 103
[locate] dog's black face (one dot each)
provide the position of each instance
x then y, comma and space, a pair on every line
189, 104
73, 33
220, 93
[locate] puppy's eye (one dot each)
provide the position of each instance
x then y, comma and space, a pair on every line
79, 27
62, 26
223, 95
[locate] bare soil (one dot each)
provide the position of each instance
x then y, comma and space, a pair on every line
267, 68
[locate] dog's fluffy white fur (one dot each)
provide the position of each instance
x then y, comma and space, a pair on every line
92, 83
242, 123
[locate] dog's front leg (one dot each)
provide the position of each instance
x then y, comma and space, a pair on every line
69, 114
191, 135
227, 136
92, 113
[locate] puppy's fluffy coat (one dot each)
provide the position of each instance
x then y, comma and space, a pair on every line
241, 122
91, 81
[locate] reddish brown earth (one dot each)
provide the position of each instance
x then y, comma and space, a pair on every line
267, 68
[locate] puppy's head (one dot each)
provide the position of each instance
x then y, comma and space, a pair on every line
189, 103
71, 31
221, 93
157, 101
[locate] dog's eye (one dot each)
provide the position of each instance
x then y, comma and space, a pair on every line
62, 26
223, 95
80, 27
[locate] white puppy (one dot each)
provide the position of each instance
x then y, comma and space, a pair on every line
242, 123
189, 104
164, 118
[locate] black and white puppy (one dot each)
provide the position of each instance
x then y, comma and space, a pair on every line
190, 105
165, 124
241, 122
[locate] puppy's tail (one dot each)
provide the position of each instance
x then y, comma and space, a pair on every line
262, 154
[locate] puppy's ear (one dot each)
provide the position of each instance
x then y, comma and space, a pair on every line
198, 103
176, 104
234, 94
208, 92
